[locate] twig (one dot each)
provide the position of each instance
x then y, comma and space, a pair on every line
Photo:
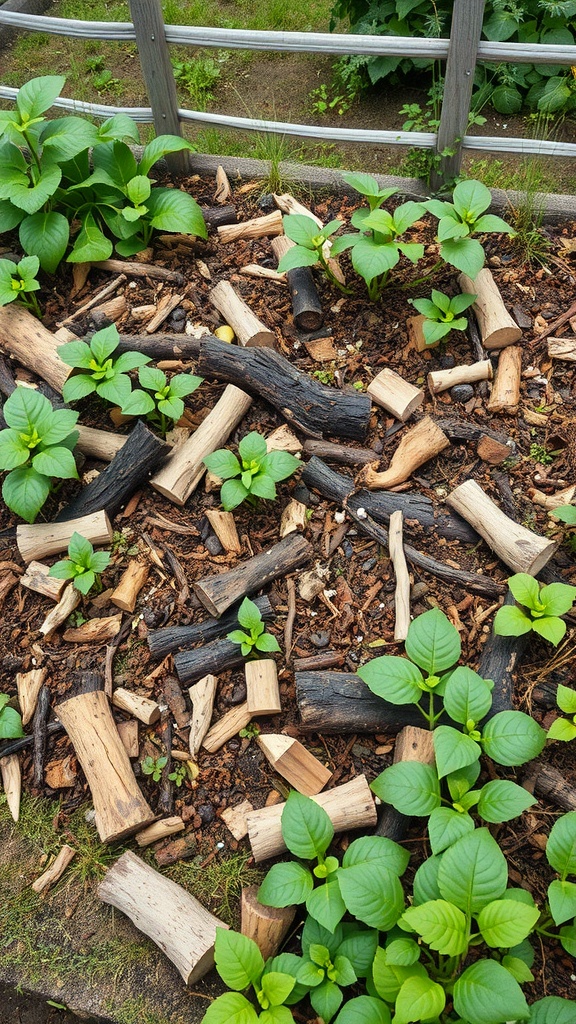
289, 624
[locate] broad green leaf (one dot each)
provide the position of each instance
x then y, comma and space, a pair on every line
525, 589
445, 826
425, 885
565, 513
557, 598
419, 999
25, 491
461, 302
389, 978
434, 332
76, 354
62, 570
359, 946
433, 642
326, 1000
99, 561
326, 905
276, 987
566, 699
506, 99
276, 1015
364, 1010
57, 462
138, 403
314, 934
370, 259
562, 729
471, 197
159, 147
287, 963
238, 960
26, 409
183, 384
395, 679
442, 926
512, 738
562, 900
45, 235
561, 845
467, 697
297, 256
552, 1010
90, 244
223, 464
377, 848
232, 494
280, 465
84, 581
10, 216
300, 229
409, 786
466, 254
373, 894
568, 939
505, 923
230, 1008
249, 614
115, 390
511, 621
138, 189
65, 137
262, 486
32, 198
10, 724
267, 643
406, 215
550, 628
80, 549
453, 750
473, 872
13, 452
489, 223
172, 209
501, 800
517, 969
77, 387
306, 827
426, 307
402, 952
104, 343
486, 993
38, 95
344, 972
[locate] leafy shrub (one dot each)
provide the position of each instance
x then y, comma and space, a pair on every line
103, 375
83, 565
254, 475
442, 314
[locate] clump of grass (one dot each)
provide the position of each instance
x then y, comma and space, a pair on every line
219, 884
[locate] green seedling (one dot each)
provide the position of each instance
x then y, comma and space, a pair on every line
101, 374
252, 476
459, 220
250, 731
154, 767
442, 314
255, 640
541, 609
10, 720
160, 401
83, 565
561, 855
566, 514
179, 775
18, 283
36, 448
311, 246
564, 728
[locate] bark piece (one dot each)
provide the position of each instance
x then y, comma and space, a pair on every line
505, 394
395, 394
246, 326
295, 763
224, 527
40, 731
12, 782
128, 732
226, 727
56, 869
412, 744
235, 819
497, 328
256, 227
491, 451
24, 337
340, 702
266, 926
95, 631
28, 685
41, 540
441, 380
169, 639
551, 785
562, 348
202, 695
306, 305
166, 913
262, 690
213, 659
131, 582
142, 708
402, 591
340, 453
293, 518
36, 578
422, 443
68, 602
159, 830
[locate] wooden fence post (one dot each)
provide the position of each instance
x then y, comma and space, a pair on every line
158, 75
465, 33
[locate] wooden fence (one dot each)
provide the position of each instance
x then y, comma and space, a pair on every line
461, 52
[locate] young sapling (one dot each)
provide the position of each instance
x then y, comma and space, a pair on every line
442, 314
83, 565
18, 283
154, 767
252, 639
252, 476
159, 399
540, 611
100, 373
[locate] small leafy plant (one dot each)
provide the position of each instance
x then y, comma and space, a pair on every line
10, 720
541, 609
18, 283
255, 640
105, 376
179, 775
154, 766
566, 514
83, 565
35, 448
252, 476
158, 399
564, 728
459, 220
310, 248
442, 314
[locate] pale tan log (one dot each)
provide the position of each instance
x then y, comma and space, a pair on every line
262, 690
137, 269
99, 444
224, 527
415, 328
402, 590
171, 917
95, 630
131, 582
562, 348
349, 807
235, 819
96, 300
12, 783
183, 469
68, 602
24, 337
293, 518
441, 380
247, 327
257, 227
254, 270
414, 744
29, 685
505, 394
56, 869
266, 926
395, 394
128, 732
36, 578
40, 540
166, 305
294, 763
497, 328
159, 830
227, 727
202, 695
113, 309
552, 501
142, 708
422, 442
282, 439
519, 548
119, 806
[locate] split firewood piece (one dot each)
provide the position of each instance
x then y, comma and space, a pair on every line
218, 592
412, 744
395, 394
40, 540
505, 395
402, 591
212, 659
497, 328
295, 763
99, 444
142, 708
223, 190
24, 337
96, 300
36, 578
226, 727
441, 380
266, 926
12, 782
520, 549
56, 869
562, 348
167, 304
422, 443
68, 602
110, 311
349, 807
235, 819
282, 439
257, 227
415, 328
165, 912
246, 326
29, 684
293, 518
159, 830
119, 805
306, 305
131, 582
551, 501
128, 732
262, 690
224, 527
202, 695
95, 630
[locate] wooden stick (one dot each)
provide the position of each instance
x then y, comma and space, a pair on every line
223, 190
226, 727
95, 630
128, 732
166, 913
99, 444
293, 518
12, 783
246, 326
110, 310
549, 501
213, 659
441, 380
159, 830
36, 578
402, 591
142, 708
119, 805
224, 527
505, 395
95, 299
41, 540
202, 695
349, 807
266, 926
169, 639
68, 602
422, 443
167, 304
131, 582
56, 869
257, 227
497, 328
415, 329
551, 785
262, 690
28, 685
412, 744
395, 394
340, 453
562, 348
40, 731
520, 549
306, 305
295, 763
217, 593
23, 336
134, 269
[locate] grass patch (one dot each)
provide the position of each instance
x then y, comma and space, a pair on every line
136, 1011
217, 885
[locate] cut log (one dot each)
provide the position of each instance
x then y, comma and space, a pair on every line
266, 926
340, 453
562, 348
134, 269
505, 394
128, 732
99, 444
402, 590
293, 518
169, 639
36, 578
246, 326
12, 783
497, 328
68, 602
262, 690
422, 443
212, 659
142, 708
95, 631
28, 685
24, 337
119, 805
224, 527
235, 819
415, 329
159, 830
306, 305
131, 582
412, 744
218, 593
202, 695
551, 785
441, 380
395, 394
56, 869
256, 227
547, 501
166, 913
340, 702
520, 549
226, 727
41, 540
305, 403
349, 807
294, 763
